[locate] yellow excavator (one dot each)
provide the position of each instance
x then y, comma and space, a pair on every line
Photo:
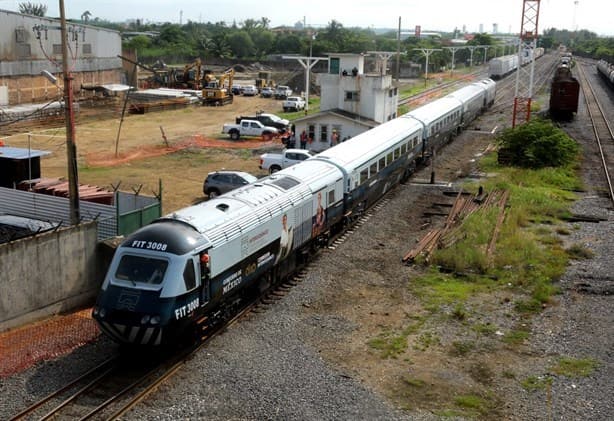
218, 91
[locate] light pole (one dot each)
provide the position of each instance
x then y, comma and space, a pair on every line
312, 36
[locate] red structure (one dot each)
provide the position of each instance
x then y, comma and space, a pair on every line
524, 74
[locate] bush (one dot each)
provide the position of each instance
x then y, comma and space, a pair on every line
536, 144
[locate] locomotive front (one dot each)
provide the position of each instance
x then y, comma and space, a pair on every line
152, 290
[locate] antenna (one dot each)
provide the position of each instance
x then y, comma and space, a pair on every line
574, 26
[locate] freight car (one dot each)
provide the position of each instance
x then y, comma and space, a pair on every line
195, 266
606, 70
500, 67
564, 93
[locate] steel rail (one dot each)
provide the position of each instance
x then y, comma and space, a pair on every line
598, 120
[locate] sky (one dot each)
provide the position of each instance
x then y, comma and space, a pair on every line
445, 15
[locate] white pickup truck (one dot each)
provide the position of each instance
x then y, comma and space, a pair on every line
273, 162
293, 103
248, 128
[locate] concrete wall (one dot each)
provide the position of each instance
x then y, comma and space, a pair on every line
49, 273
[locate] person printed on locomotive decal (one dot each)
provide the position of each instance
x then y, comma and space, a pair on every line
320, 218
285, 240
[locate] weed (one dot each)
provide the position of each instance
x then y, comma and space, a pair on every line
473, 403
425, 340
461, 348
578, 251
515, 337
459, 313
481, 372
508, 374
417, 383
563, 231
533, 383
485, 329
574, 367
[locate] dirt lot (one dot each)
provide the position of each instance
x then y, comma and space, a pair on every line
194, 139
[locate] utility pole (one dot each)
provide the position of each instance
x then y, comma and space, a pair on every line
71, 148
485, 47
398, 50
307, 63
524, 74
427, 52
471, 50
453, 50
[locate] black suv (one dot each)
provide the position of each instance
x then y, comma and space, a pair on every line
220, 182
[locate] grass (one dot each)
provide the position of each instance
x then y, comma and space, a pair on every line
574, 367
391, 344
533, 383
515, 337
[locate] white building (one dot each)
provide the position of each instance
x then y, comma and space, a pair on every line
352, 100
31, 44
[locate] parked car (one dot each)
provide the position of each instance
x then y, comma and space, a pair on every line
250, 90
267, 119
236, 89
293, 103
282, 92
249, 128
273, 162
220, 182
267, 92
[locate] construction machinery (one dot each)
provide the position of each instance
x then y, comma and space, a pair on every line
264, 80
218, 91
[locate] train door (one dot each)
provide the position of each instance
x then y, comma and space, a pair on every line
204, 270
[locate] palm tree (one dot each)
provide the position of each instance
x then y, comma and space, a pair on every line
85, 16
29, 8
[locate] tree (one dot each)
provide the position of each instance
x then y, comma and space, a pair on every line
85, 16
33, 9
241, 44
536, 144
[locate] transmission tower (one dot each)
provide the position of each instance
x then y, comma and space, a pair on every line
524, 74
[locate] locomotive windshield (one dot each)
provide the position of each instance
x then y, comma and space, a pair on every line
141, 269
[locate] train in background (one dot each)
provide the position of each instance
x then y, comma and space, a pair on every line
196, 266
606, 70
499, 67
564, 90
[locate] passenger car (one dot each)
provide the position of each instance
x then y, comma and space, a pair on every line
250, 90
237, 89
220, 182
266, 92
293, 103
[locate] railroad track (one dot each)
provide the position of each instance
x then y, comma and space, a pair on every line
604, 137
112, 388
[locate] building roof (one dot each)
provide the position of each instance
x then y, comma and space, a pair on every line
21, 153
346, 115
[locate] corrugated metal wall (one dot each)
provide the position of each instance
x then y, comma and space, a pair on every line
57, 210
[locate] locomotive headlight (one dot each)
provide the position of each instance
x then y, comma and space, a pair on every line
102, 312
155, 320
145, 319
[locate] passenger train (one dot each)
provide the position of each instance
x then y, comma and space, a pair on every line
194, 266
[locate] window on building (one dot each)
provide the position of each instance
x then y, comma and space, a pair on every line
311, 131
324, 133
20, 34
57, 49
23, 50
87, 48
352, 96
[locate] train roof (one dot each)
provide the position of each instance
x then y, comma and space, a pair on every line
240, 210
359, 149
467, 93
434, 110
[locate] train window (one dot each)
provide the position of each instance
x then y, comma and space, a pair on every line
331, 197
364, 175
397, 153
382, 163
373, 169
141, 269
189, 276
389, 158
403, 148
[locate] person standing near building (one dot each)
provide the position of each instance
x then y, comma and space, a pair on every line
334, 139
303, 139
